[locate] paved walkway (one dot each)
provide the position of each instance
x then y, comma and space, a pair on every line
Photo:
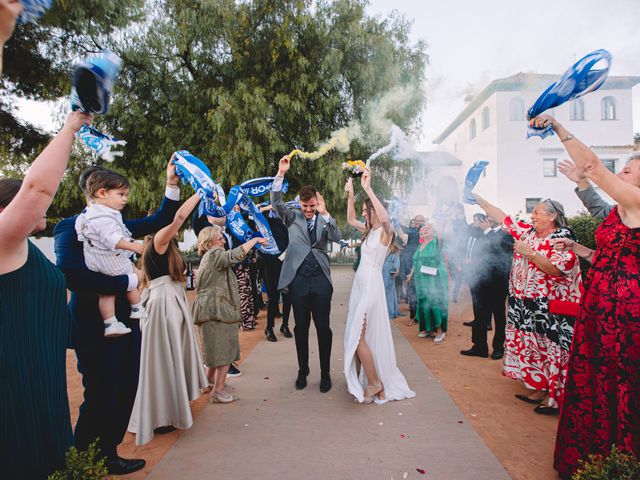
276, 432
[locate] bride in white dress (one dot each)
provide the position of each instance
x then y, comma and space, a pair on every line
367, 335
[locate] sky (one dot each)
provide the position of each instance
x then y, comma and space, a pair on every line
472, 42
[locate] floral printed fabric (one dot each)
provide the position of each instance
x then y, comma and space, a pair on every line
536, 342
602, 400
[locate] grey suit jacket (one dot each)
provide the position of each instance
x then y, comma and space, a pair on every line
597, 207
300, 242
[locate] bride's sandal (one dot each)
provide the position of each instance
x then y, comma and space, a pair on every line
372, 391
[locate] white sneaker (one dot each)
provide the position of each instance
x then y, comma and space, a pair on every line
423, 335
439, 338
138, 313
115, 329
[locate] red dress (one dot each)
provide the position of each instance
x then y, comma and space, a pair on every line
537, 342
602, 395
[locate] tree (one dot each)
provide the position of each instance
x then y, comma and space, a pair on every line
239, 84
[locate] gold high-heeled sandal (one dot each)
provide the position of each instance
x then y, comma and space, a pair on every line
371, 392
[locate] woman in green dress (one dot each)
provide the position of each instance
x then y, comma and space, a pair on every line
35, 428
431, 281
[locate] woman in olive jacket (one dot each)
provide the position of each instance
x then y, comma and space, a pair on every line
216, 310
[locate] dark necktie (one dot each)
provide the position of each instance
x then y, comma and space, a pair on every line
311, 222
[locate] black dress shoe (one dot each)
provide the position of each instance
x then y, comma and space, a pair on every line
489, 327
474, 352
470, 323
325, 384
496, 355
270, 335
525, 398
546, 410
278, 314
301, 381
165, 429
284, 330
122, 466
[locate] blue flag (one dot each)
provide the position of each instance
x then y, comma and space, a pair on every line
473, 175
257, 187
580, 79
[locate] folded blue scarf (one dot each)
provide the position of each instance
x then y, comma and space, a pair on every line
473, 175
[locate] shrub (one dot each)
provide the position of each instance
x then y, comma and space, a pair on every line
615, 466
584, 226
82, 465
191, 256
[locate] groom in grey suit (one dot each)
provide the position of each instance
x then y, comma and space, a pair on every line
305, 272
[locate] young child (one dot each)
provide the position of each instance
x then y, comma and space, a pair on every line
108, 243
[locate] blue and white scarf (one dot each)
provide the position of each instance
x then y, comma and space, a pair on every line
256, 187
105, 68
580, 79
473, 175
100, 143
192, 170
33, 10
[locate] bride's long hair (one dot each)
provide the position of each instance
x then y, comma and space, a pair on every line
368, 207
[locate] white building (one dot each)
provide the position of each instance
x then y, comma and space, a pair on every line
521, 172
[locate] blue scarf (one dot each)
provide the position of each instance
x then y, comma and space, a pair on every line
192, 170
33, 10
102, 71
473, 175
580, 79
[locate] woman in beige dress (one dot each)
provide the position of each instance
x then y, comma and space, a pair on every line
216, 310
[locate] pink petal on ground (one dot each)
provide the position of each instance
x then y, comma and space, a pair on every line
421, 470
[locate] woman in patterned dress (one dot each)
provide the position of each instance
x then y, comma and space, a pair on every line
602, 405
537, 342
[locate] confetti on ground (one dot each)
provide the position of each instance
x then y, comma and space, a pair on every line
402, 435
460, 421
421, 471
381, 423
246, 424
405, 475
266, 378
468, 387
400, 413
474, 415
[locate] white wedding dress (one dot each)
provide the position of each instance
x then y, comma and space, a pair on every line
368, 303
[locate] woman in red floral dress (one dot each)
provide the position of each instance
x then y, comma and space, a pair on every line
602, 403
537, 342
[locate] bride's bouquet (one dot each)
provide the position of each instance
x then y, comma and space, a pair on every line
355, 168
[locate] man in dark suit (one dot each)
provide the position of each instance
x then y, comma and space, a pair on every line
272, 269
109, 366
306, 274
493, 291
477, 275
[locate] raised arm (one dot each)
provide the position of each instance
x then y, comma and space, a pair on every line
593, 202
285, 214
381, 212
164, 236
494, 212
20, 218
625, 194
165, 213
351, 209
